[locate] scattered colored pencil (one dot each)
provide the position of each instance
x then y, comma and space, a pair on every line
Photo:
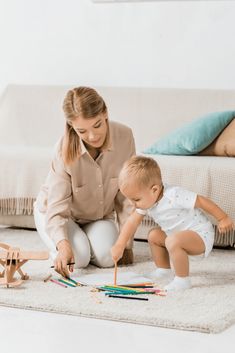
46, 279
128, 290
65, 281
72, 280
138, 284
57, 282
124, 288
126, 297
124, 292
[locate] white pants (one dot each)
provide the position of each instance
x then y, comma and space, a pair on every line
90, 243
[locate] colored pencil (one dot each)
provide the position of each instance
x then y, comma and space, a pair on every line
67, 282
138, 284
72, 280
57, 282
47, 277
126, 292
155, 290
115, 274
70, 263
127, 289
125, 297
121, 290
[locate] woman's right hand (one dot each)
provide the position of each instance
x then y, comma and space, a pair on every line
63, 258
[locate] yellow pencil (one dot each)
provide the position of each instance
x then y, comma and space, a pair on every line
126, 288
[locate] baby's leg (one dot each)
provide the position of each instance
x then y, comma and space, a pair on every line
182, 244
156, 239
179, 246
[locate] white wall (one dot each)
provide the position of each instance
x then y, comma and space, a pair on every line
171, 44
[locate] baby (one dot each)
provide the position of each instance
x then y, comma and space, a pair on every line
183, 230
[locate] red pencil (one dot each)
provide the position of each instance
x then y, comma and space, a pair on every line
59, 283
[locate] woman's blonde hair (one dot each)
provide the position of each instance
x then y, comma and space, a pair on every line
143, 171
82, 102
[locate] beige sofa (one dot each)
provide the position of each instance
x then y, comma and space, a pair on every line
31, 121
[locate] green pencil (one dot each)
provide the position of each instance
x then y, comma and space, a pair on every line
67, 283
72, 280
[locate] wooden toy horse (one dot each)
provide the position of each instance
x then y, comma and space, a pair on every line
12, 259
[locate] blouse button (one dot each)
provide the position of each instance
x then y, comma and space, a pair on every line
76, 189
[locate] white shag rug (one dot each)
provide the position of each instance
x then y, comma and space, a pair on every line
207, 307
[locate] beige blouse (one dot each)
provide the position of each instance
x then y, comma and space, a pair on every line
87, 190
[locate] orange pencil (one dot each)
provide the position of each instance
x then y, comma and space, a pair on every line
115, 273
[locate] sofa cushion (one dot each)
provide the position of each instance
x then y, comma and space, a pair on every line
192, 137
224, 144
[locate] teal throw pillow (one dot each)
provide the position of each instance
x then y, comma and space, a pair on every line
193, 137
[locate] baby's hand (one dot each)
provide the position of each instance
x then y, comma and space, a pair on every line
225, 224
116, 252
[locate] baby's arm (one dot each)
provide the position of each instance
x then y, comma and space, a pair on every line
225, 223
127, 232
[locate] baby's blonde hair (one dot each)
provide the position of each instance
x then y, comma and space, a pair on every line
143, 171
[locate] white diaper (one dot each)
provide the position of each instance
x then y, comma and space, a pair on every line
207, 233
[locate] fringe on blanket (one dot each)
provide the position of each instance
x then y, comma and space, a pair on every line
226, 239
223, 240
17, 206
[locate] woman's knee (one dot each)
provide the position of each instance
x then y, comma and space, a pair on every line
102, 236
105, 230
82, 261
80, 245
104, 260
82, 255
102, 251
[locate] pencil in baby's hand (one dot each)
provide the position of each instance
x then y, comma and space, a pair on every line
115, 273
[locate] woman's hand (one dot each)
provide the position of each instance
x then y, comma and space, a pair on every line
225, 224
117, 252
63, 258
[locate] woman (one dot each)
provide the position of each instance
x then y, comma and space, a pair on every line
76, 207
